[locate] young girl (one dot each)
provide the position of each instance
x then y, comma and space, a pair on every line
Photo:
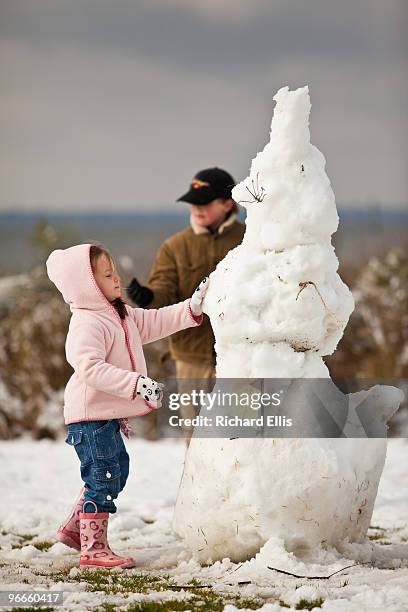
109, 384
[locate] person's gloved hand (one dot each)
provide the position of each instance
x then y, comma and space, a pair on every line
140, 295
196, 301
150, 390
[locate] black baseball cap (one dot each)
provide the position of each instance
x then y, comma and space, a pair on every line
208, 185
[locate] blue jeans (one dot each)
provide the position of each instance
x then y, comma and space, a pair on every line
104, 461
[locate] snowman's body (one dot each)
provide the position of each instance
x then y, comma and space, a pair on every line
277, 306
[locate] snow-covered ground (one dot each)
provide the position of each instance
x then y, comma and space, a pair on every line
39, 480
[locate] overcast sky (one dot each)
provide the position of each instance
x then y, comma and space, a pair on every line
117, 103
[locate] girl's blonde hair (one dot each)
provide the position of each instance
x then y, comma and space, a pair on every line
95, 253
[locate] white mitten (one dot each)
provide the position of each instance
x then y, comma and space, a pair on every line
196, 301
150, 390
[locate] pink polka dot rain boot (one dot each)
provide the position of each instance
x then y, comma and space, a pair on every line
68, 531
95, 550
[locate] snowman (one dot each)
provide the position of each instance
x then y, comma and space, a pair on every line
278, 306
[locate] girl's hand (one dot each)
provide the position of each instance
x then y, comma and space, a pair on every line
150, 390
196, 301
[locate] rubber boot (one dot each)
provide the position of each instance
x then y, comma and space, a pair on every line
95, 550
68, 531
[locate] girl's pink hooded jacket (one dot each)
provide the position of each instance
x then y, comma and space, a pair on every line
104, 350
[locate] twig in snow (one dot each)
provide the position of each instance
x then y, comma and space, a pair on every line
205, 539
229, 572
258, 193
189, 586
304, 285
312, 577
206, 586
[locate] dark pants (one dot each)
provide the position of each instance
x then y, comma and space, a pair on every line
104, 461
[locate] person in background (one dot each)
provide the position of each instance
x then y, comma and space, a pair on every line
180, 264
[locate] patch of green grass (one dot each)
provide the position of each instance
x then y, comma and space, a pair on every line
205, 601
159, 606
194, 583
305, 604
43, 545
377, 528
111, 583
283, 604
107, 607
60, 574
25, 537
380, 537
250, 603
123, 583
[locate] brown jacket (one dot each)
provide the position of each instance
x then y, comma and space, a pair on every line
181, 263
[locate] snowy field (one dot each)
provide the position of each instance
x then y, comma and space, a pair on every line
41, 478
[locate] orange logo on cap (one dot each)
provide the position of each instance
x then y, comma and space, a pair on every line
196, 184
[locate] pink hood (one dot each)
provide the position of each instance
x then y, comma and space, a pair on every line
71, 272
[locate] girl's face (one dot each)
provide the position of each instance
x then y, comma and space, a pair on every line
212, 213
107, 278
